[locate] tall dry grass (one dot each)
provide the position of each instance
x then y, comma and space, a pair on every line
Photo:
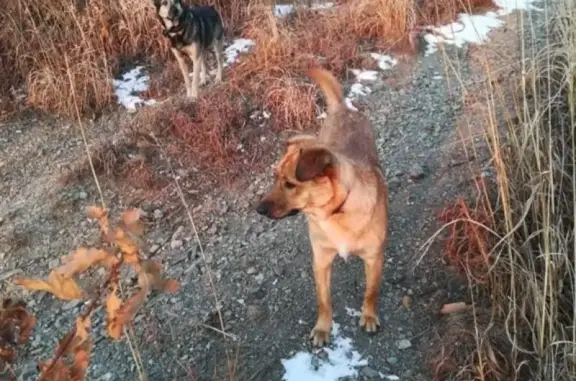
522, 325
67, 52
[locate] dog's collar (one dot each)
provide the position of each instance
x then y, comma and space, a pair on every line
341, 205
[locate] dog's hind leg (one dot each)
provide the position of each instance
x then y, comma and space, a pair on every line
184, 69
219, 52
203, 74
373, 263
322, 266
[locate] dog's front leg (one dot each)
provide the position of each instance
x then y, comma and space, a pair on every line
322, 266
373, 263
193, 51
184, 69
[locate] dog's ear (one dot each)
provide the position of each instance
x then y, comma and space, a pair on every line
314, 162
300, 139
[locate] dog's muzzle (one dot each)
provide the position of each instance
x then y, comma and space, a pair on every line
266, 209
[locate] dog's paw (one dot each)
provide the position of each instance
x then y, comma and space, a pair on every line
370, 323
320, 336
203, 80
193, 95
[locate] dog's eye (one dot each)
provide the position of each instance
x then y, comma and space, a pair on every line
289, 185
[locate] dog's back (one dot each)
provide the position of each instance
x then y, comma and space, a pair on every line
202, 25
344, 130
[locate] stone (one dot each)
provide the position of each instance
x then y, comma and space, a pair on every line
404, 344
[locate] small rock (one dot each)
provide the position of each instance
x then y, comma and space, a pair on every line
392, 360
71, 305
54, 263
158, 214
176, 244
369, 372
416, 172
82, 195
27, 372
394, 182
178, 232
213, 230
106, 377
404, 344
253, 312
251, 270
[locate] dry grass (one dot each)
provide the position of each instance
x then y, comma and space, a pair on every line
73, 50
211, 129
523, 324
438, 12
59, 47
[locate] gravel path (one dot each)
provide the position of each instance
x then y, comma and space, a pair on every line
261, 269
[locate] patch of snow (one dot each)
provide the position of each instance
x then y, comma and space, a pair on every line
384, 61
342, 361
365, 75
349, 104
359, 89
132, 82
281, 10
325, 5
473, 29
240, 45
352, 312
339, 360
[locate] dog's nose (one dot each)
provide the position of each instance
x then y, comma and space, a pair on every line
264, 208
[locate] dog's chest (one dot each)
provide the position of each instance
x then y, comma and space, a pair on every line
334, 236
168, 24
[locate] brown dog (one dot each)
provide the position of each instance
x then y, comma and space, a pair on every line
336, 180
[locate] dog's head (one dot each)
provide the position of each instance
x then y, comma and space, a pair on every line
168, 9
305, 179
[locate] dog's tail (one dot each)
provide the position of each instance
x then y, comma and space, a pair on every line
330, 87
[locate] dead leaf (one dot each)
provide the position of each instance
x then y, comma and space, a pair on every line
127, 246
16, 324
452, 308
62, 287
113, 304
7, 356
131, 219
101, 215
77, 345
406, 302
58, 372
14, 315
150, 276
82, 259
81, 347
125, 314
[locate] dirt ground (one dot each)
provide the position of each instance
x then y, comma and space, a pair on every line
431, 150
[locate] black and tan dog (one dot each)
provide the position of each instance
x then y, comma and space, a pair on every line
192, 31
337, 181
